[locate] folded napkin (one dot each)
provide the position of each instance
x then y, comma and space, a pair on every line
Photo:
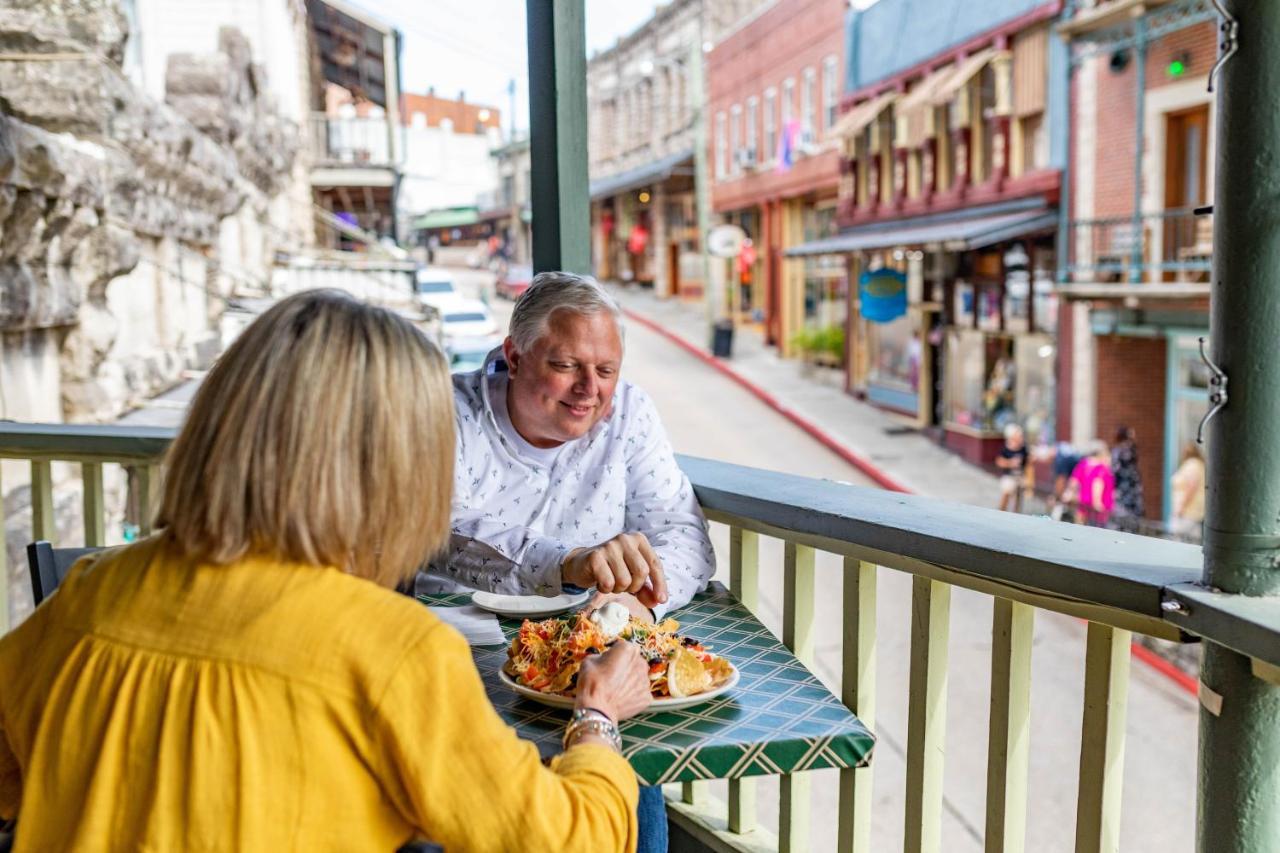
480, 627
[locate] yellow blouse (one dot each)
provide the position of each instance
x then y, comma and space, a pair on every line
156, 704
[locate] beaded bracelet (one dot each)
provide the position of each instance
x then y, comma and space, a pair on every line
593, 722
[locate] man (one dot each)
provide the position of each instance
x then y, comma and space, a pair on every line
565, 477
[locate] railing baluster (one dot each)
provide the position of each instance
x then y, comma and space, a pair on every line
927, 713
744, 583
1106, 700
798, 635
146, 480
95, 520
1010, 732
858, 691
43, 525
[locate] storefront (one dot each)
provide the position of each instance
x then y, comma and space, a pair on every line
1000, 355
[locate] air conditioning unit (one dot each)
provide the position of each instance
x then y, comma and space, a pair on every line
746, 157
807, 144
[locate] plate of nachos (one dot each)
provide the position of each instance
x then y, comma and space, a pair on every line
544, 658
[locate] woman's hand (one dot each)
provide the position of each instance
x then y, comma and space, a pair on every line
616, 682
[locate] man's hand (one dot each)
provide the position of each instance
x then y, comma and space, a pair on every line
625, 563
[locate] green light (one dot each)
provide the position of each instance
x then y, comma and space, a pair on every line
1177, 68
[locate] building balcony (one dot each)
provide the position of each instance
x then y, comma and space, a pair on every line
354, 151
1168, 253
842, 538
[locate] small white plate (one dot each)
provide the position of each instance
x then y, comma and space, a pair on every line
669, 703
528, 606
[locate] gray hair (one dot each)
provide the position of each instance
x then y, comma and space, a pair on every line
557, 291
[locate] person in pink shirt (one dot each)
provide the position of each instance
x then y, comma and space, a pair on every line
1094, 485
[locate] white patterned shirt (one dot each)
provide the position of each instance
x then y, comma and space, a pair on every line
516, 516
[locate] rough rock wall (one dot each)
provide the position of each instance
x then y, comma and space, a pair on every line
96, 178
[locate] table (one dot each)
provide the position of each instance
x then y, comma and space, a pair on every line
778, 719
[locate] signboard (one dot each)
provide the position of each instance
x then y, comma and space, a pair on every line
725, 241
882, 295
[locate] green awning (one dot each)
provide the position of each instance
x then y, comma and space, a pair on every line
453, 217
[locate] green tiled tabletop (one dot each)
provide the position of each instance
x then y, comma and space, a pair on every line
778, 719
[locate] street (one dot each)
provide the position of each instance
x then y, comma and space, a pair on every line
706, 414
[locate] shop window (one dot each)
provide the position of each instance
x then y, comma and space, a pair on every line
994, 380
825, 277
895, 353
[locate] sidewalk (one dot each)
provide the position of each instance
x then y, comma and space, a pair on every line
885, 447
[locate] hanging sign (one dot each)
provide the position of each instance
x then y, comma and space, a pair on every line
725, 241
882, 295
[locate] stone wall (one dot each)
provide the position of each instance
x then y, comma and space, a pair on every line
125, 225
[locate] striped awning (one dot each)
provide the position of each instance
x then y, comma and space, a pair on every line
855, 120
963, 73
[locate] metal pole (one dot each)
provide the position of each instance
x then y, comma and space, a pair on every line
558, 135
1139, 239
1239, 766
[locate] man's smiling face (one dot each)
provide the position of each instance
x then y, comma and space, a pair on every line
564, 384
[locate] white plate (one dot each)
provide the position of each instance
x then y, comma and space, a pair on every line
670, 703
528, 606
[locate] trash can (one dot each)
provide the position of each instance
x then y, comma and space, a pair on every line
722, 339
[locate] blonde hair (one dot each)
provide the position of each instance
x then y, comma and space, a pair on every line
324, 435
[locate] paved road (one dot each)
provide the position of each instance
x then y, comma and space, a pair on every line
708, 415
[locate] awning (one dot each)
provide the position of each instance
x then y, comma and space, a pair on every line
914, 108
853, 122
963, 73
954, 232
641, 176
454, 217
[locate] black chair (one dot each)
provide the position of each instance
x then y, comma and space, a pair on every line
49, 566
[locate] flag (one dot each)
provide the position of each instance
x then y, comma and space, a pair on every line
787, 144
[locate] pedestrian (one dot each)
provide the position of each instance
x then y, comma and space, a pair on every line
1012, 462
1188, 485
1124, 465
1065, 459
1092, 486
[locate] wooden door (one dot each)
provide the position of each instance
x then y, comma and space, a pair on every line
1186, 164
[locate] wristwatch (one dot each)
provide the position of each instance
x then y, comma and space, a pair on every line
590, 721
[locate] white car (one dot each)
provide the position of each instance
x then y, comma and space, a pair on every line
435, 287
466, 318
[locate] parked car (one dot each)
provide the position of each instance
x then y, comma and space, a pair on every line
435, 287
466, 318
466, 354
513, 281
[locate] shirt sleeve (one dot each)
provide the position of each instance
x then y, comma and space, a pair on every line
444, 749
662, 506
484, 551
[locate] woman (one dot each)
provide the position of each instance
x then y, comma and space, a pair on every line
1093, 486
246, 679
1187, 520
1124, 467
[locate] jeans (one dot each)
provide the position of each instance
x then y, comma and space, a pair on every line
652, 812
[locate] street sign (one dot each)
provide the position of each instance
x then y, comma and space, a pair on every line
725, 241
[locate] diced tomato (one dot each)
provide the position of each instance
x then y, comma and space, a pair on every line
531, 673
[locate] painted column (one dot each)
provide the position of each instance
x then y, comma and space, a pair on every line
558, 135
1239, 769
661, 251
1002, 67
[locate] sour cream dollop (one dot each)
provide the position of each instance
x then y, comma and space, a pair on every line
611, 619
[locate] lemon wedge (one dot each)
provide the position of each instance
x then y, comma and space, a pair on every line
686, 675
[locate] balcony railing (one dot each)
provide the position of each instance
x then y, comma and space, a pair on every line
1169, 246
1119, 584
359, 142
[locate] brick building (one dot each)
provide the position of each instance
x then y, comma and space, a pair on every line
950, 155
643, 105
1134, 273
775, 84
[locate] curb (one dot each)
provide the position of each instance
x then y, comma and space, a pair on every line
1188, 683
